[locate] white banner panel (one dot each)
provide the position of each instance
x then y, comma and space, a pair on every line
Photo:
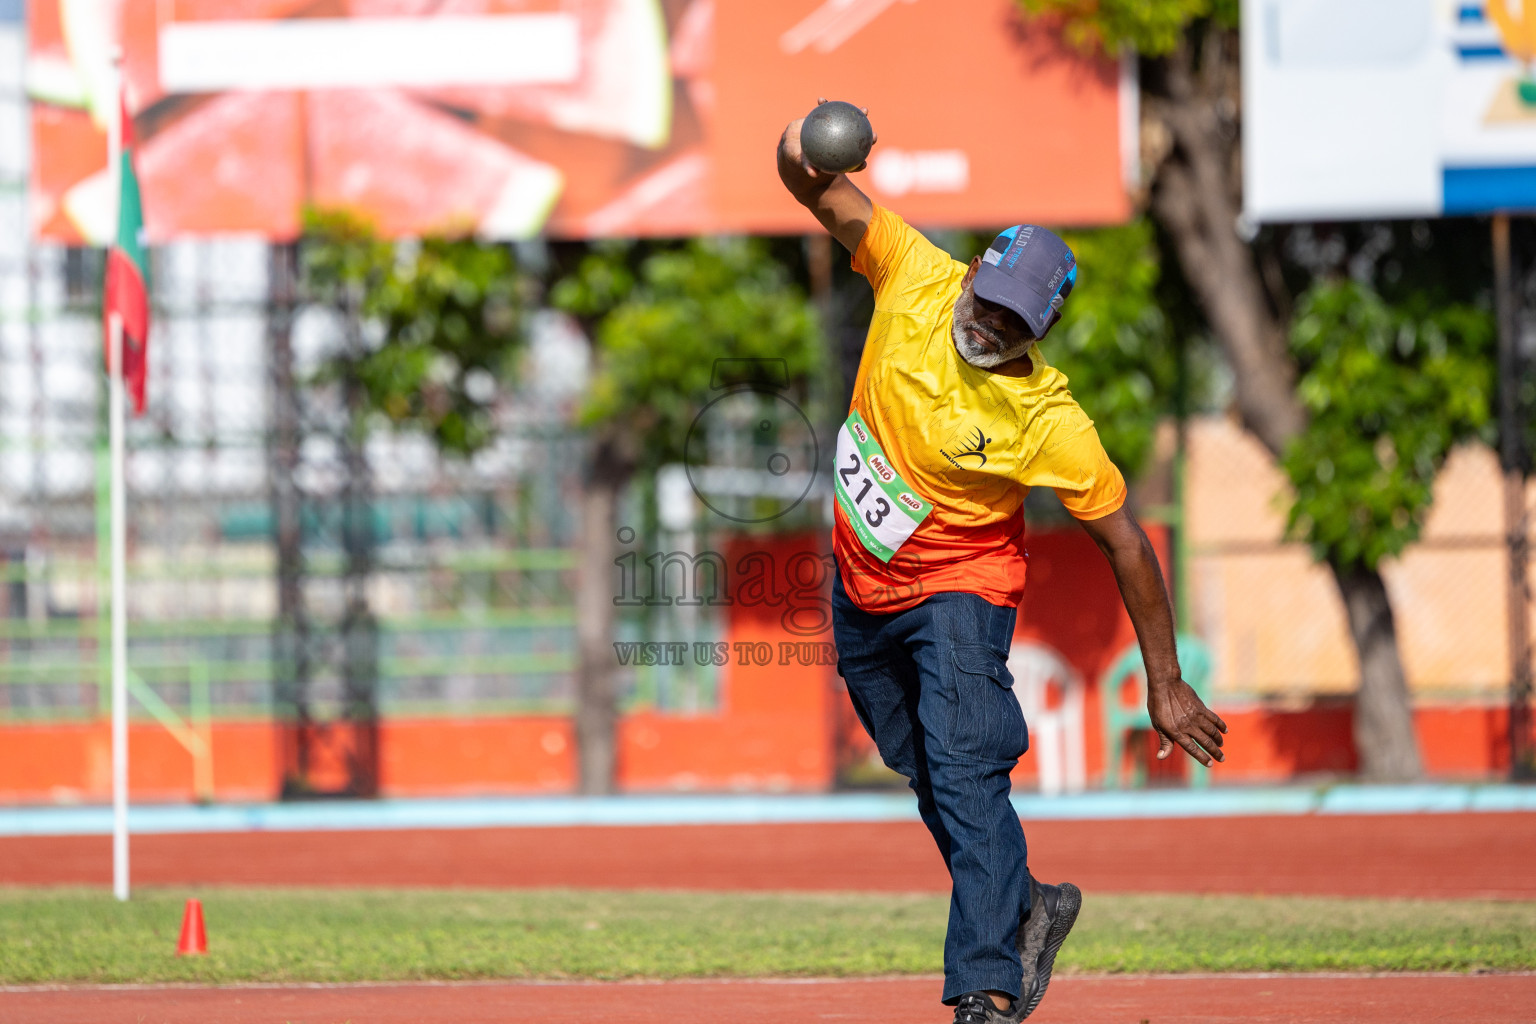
353, 53
1387, 108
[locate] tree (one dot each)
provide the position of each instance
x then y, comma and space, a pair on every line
1388, 392
1284, 395
447, 319
451, 310
659, 318
1116, 344
449, 313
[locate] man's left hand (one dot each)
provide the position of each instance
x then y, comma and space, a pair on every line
1180, 716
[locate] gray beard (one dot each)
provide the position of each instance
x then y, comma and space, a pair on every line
967, 346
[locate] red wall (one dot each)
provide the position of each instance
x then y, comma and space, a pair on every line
779, 727
1072, 604
446, 757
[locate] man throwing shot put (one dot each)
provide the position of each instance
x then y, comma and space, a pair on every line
955, 416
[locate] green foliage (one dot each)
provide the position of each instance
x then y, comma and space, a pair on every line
1114, 343
447, 314
662, 320
1150, 27
446, 321
454, 317
603, 278
1389, 391
342, 258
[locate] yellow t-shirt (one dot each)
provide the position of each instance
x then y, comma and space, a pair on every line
969, 441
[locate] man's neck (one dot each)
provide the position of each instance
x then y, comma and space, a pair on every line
1020, 367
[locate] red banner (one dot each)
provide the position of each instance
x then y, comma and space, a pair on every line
570, 118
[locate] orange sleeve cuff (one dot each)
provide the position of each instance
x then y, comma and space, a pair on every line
1105, 508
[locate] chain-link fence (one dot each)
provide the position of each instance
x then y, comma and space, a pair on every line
470, 581
471, 575
1274, 618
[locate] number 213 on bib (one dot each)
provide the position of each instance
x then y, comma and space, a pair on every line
883, 508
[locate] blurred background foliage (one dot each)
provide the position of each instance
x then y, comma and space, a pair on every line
1130, 363
660, 321
1393, 335
1389, 391
1151, 27
442, 319
445, 320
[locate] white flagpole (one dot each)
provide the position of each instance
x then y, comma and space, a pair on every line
119, 532
119, 623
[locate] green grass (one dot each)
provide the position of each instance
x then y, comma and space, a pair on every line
287, 935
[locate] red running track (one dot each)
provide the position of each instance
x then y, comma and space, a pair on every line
1264, 999
1483, 855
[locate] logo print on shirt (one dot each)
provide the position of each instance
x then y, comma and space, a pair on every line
975, 447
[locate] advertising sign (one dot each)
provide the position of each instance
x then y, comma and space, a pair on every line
1388, 108
569, 118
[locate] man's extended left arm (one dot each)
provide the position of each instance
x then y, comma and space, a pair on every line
1178, 713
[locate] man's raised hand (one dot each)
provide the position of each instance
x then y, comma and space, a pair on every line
793, 163
833, 198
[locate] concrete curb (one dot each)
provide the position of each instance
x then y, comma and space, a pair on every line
545, 812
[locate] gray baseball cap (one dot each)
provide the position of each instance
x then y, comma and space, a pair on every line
1030, 270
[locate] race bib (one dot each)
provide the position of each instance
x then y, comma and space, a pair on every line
883, 508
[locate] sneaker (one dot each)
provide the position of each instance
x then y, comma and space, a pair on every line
1052, 912
978, 1008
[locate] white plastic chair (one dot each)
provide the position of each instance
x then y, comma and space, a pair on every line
1051, 693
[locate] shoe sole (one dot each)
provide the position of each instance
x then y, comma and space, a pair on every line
1068, 902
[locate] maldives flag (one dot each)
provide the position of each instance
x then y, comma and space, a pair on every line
127, 287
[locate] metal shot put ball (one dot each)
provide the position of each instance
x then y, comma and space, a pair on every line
835, 137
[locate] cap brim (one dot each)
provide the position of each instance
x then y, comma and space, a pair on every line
995, 286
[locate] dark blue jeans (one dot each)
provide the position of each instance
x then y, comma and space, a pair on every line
932, 687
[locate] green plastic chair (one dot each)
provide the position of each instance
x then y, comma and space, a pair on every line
1121, 718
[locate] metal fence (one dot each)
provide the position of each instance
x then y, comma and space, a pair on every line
1273, 616
471, 579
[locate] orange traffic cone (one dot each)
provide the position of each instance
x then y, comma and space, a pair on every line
194, 937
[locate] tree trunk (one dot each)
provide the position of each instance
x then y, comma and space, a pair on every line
1197, 203
1195, 197
1384, 736
597, 711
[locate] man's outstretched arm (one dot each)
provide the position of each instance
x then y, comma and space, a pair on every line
1178, 713
837, 202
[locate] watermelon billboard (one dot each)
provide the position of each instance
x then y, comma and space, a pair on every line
566, 118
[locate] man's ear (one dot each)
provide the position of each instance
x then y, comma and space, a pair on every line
970, 272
